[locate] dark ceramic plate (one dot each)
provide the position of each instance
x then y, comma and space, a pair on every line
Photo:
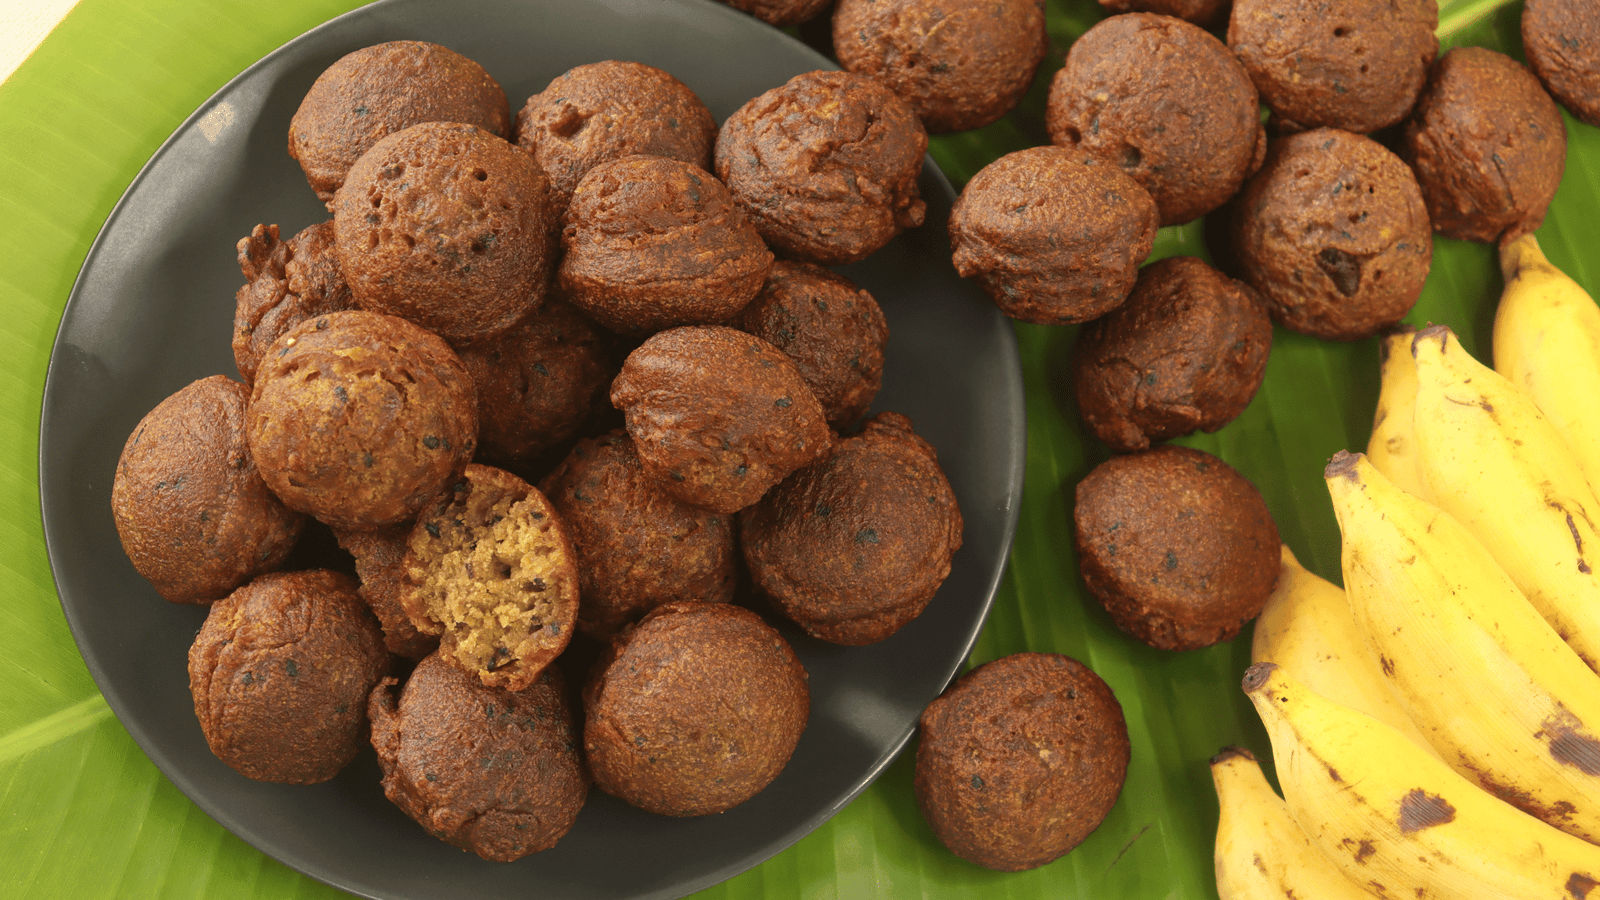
152, 311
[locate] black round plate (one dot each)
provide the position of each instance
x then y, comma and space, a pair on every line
152, 310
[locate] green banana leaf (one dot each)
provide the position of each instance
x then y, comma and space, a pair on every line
84, 814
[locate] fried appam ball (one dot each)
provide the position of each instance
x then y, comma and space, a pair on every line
1186, 353
853, 546
1165, 101
1334, 234
1561, 39
280, 673
961, 64
449, 226
637, 547
490, 569
492, 771
825, 165
287, 282
1054, 236
1355, 65
834, 331
541, 383
359, 419
718, 416
651, 243
191, 508
376, 91
1488, 146
1020, 760
606, 110
694, 710
1178, 547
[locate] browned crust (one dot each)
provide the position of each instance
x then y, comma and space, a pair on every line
652, 243
855, 545
491, 771
280, 673
608, 110
1020, 760
358, 418
718, 416
1053, 236
637, 547
449, 226
191, 509
1488, 146
1357, 65
1165, 101
825, 165
1334, 234
1186, 352
960, 64
694, 710
834, 331
1178, 547
379, 90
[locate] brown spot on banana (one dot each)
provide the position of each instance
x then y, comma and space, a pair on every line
1334, 774
1386, 664
1359, 850
1570, 743
1579, 886
1576, 750
1555, 813
1419, 810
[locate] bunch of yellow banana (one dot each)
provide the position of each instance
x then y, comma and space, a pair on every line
1489, 457
1510, 453
1547, 343
1436, 724
1261, 853
1486, 680
1397, 822
1306, 626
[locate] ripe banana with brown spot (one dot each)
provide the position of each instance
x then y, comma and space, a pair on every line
1488, 457
1400, 822
1547, 343
1261, 852
1392, 446
1493, 688
1306, 626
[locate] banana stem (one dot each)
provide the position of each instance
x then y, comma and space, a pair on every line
1520, 254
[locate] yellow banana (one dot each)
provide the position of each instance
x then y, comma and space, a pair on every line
1488, 457
1261, 853
1399, 821
1307, 628
1495, 690
1392, 445
1547, 342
